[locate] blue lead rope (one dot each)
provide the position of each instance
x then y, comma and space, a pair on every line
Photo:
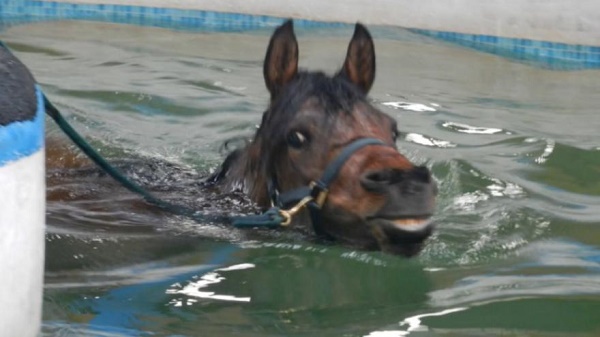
269, 219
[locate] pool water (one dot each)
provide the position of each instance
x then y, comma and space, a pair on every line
514, 147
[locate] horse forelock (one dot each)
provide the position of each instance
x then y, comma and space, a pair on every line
333, 95
253, 166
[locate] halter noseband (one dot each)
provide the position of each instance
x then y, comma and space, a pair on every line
285, 205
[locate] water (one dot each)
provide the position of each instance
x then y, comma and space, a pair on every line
515, 149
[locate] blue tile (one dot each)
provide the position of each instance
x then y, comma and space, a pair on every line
570, 55
560, 46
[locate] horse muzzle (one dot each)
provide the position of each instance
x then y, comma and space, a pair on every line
404, 222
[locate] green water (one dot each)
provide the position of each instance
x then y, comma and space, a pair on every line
515, 150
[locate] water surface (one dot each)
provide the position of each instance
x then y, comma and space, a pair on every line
514, 147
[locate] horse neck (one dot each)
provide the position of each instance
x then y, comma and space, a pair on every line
247, 172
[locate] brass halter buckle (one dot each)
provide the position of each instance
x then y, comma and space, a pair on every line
321, 193
288, 214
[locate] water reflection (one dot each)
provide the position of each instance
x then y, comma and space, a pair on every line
412, 324
465, 128
192, 289
569, 268
514, 149
279, 287
418, 107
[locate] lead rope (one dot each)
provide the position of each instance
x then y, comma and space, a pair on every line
272, 218
284, 209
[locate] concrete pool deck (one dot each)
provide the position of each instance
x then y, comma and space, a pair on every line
550, 20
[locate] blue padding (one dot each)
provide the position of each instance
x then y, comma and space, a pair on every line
21, 139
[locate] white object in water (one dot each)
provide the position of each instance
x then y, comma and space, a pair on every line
22, 224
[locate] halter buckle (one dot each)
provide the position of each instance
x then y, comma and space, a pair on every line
289, 214
318, 192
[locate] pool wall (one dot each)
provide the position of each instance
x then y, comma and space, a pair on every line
559, 34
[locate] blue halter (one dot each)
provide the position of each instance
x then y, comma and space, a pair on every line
313, 196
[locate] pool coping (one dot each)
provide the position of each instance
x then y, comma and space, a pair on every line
542, 53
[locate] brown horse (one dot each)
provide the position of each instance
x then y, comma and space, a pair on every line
372, 198
377, 199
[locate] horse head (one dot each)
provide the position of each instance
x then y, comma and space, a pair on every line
376, 199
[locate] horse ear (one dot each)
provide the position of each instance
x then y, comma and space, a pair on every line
281, 62
359, 67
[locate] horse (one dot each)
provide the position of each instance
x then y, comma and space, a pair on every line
374, 197
323, 154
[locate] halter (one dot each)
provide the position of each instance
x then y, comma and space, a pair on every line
287, 204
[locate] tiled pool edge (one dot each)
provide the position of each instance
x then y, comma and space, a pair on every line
541, 53
25, 11
547, 54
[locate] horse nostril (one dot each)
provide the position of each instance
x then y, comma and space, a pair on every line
379, 176
421, 174
379, 181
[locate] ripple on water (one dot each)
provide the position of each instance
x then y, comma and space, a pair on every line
575, 267
192, 290
465, 128
428, 141
417, 107
517, 168
479, 217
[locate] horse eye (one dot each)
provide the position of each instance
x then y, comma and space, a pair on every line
297, 139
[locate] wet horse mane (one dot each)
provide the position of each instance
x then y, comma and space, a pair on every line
335, 94
252, 168
248, 169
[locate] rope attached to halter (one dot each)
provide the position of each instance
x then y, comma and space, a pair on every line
286, 205
268, 220
112, 171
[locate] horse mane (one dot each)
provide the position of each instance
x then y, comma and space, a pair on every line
250, 168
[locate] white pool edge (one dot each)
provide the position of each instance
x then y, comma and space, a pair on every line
552, 20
